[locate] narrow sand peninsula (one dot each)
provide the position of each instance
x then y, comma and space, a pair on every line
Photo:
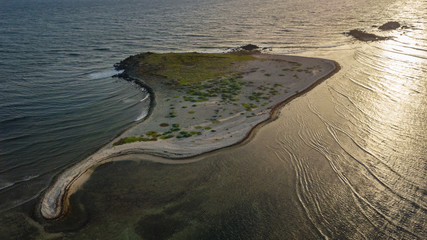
187, 121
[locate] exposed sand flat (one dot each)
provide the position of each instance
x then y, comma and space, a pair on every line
267, 82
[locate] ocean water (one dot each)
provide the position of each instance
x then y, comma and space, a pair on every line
347, 160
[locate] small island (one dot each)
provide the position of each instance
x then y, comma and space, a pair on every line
200, 102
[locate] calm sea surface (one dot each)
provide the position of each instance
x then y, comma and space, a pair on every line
347, 160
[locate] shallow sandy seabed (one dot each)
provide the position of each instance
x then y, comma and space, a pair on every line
218, 123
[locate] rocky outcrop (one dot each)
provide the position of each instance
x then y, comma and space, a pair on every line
364, 36
249, 47
389, 26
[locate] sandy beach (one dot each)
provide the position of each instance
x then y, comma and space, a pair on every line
180, 128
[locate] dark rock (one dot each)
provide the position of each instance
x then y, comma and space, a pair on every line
249, 47
364, 36
389, 26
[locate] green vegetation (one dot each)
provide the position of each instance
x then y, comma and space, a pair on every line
227, 88
185, 134
167, 136
255, 96
171, 115
188, 68
249, 106
151, 134
274, 92
133, 139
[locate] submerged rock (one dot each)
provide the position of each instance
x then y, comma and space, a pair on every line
389, 26
364, 36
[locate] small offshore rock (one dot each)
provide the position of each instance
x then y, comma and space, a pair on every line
246, 49
249, 47
389, 26
364, 36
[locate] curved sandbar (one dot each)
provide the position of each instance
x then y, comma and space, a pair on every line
191, 119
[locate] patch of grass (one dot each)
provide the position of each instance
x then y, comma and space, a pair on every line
133, 139
167, 136
151, 133
188, 68
191, 112
249, 106
164, 125
184, 134
262, 88
227, 88
255, 96
171, 115
274, 92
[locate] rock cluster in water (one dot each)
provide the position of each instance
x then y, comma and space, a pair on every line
364, 36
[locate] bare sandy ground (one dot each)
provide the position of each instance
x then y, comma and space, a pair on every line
275, 78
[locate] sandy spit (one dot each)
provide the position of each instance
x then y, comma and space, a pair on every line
219, 124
